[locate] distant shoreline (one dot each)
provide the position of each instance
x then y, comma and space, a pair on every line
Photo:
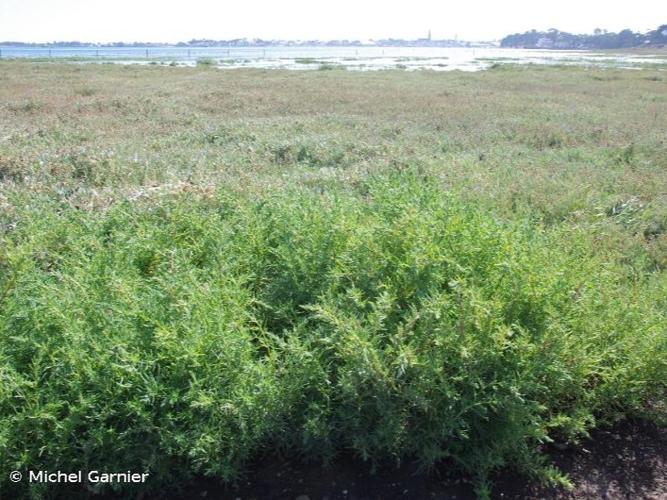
425, 43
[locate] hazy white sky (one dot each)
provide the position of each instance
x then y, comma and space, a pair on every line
179, 20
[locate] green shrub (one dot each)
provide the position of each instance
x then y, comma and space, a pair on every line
205, 61
307, 60
329, 67
397, 322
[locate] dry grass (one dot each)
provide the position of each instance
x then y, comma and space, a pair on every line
496, 131
563, 143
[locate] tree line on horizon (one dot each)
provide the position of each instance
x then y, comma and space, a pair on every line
533, 39
600, 39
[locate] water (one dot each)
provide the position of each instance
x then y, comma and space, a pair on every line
361, 58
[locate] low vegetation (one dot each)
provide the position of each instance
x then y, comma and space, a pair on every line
198, 266
205, 61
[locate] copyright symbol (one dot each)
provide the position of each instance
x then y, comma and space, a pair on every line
15, 476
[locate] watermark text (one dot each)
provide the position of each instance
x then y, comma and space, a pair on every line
93, 476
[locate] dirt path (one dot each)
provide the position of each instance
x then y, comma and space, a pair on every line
626, 462
629, 461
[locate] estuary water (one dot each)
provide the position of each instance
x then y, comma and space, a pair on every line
316, 57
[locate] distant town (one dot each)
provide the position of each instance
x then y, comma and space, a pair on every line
258, 42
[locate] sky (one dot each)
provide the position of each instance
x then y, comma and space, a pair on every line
180, 20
